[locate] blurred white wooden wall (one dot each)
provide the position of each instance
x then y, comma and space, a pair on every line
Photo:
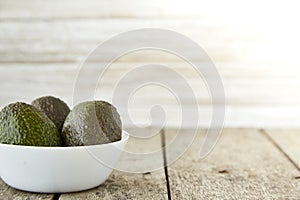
254, 46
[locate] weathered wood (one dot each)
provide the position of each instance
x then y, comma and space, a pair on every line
121, 185
241, 88
244, 94
246, 91
16, 9
124, 186
289, 142
243, 165
72, 40
9, 193
226, 69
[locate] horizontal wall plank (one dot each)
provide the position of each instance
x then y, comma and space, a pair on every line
260, 85
91, 8
242, 70
15, 9
72, 40
252, 94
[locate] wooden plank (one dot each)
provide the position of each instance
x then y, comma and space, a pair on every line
91, 8
72, 40
15, 9
289, 141
240, 88
251, 101
9, 193
124, 186
243, 165
237, 70
121, 185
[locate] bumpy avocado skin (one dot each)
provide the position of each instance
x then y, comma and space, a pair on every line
22, 124
54, 108
91, 123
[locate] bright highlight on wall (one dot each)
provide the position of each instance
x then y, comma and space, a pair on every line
272, 26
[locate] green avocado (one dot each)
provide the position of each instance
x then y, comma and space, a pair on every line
92, 123
23, 124
54, 108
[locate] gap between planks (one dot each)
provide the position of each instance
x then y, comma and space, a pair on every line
56, 196
266, 134
163, 144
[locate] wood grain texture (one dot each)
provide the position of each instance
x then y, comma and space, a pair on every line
251, 92
242, 86
260, 76
289, 141
16, 9
243, 165
72, 39
124, 186
121, 185
9, 193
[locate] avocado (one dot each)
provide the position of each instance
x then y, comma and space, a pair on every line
54, 108
91, 123
23, 124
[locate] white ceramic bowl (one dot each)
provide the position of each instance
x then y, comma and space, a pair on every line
59, 169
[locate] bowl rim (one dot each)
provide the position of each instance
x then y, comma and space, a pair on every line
124, 137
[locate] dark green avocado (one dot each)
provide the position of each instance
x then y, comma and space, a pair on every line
54, 108
91, 123
23, 124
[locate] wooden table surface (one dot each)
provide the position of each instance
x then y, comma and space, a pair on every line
245, 164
